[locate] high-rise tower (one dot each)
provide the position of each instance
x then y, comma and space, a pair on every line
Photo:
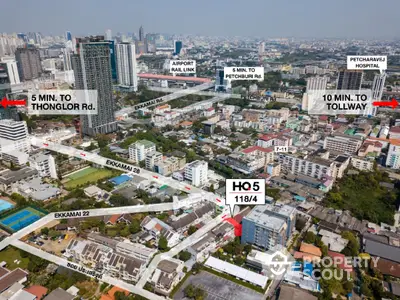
92, 70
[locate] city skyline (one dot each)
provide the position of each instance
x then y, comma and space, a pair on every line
283, 19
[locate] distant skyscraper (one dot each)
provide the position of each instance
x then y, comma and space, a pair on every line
108, 36
141, 34
92, 70
23, 37
349, 79
221, 84
377, 90
5, 89
126, 65
177, 47
28, 62
140, 47
261, 48
68, 36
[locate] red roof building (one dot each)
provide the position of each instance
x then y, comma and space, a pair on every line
37, 290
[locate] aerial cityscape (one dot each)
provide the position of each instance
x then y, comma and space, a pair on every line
169, 151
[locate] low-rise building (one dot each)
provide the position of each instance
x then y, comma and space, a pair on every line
343, 143
362, 163
167, 275
36, 190
156, 228
9, 177
103, 258
153, 158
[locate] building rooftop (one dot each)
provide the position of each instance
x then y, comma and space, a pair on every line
8, 177
11, 278
382, 250
289, 292
59, 294
258, 216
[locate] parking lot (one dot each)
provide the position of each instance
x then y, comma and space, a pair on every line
53, 246
218, 288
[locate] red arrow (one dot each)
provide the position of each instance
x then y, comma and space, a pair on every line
83, 154
5, 102
223, 216
393, 103
155, 176
46, 145
218, 200
188, 188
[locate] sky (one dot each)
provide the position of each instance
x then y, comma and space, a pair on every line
263, 18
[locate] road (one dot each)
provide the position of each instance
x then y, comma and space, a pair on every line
192, 107
114, 164
63, 262
201, 93
178, 94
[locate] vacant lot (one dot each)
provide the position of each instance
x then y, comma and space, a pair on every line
9, 255
218, 288
86, 176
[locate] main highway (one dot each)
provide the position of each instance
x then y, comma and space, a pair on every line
157, 101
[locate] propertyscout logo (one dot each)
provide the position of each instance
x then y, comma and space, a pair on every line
279, 263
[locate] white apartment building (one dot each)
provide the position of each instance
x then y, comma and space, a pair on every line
196, 172
139, 150
316, 86
136, 250
377, 91
343, 143
152, 158
12, 70
393, 157
314, 167
44, 164
13, 136
126, 65
362, 164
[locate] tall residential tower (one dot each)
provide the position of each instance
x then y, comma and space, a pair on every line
92, 70
126, 65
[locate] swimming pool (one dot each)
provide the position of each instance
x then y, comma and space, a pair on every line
4, 205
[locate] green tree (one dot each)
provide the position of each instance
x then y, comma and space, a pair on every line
134, 227
162, 243
192, 229
310, 237
44, 230
185, 255
102, 140
189, 291
353, 246
125, 232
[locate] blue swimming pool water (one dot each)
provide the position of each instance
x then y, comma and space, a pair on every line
4, 205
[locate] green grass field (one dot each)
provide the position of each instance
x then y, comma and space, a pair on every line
82, 173
9, 255
87, 176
